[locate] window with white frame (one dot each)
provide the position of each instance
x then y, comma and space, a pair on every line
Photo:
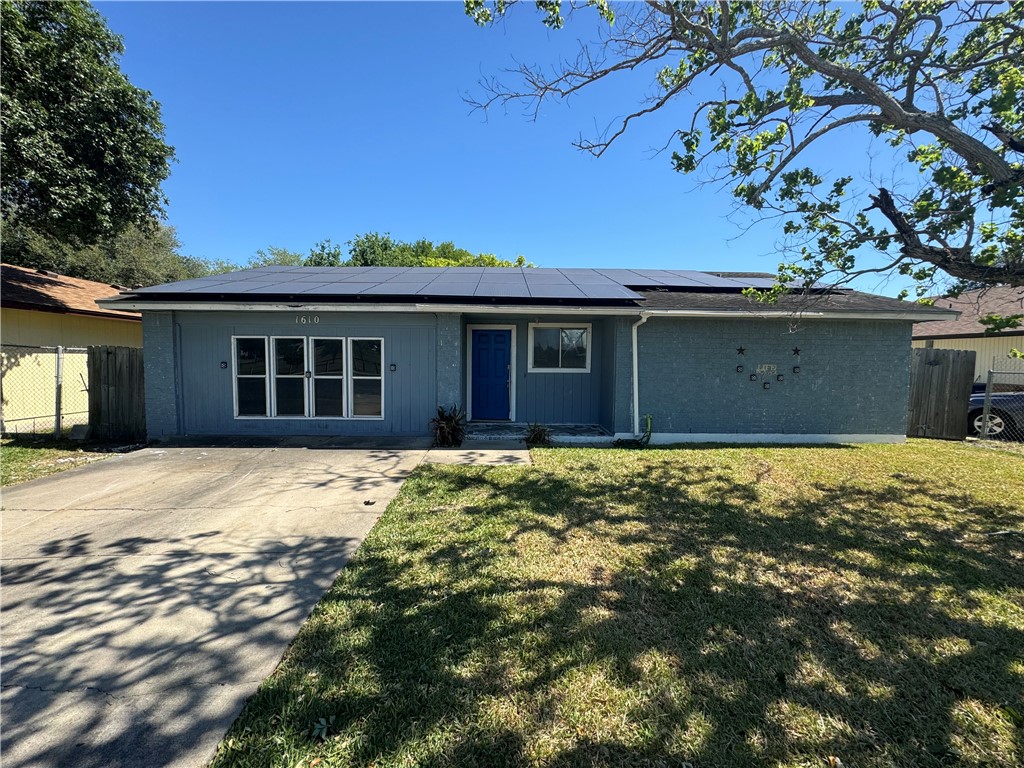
250, 376
308, 377
367, 380
558, 348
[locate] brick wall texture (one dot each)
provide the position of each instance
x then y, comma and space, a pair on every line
854, 376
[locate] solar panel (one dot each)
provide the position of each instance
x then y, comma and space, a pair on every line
450, 289
608, 292
396, 289
556, 292
271, 288
504, 290
571, 284
547, 277
592, 279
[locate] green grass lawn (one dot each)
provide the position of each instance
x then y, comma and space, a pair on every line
26, 458
711, 606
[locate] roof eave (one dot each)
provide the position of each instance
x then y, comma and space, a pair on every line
122, 314
916, 316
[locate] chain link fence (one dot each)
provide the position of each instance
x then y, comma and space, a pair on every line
997, 409
44, 390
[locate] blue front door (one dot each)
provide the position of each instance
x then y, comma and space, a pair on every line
492, 358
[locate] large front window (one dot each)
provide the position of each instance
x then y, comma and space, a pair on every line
558, 348
308, 377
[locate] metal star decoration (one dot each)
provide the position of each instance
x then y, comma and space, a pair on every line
796, 351
741, 350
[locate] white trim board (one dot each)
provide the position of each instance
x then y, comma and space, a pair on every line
514, 309
669, 438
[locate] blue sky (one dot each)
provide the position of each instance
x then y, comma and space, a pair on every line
295, 122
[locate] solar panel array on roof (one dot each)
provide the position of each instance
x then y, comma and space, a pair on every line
457, 282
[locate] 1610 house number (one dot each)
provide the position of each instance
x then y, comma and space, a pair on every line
307, 319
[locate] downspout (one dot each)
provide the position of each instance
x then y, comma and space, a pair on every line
644, 316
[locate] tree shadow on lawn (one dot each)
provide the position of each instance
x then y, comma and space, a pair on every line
599, 615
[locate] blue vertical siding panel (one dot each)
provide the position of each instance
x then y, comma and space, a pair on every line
410, 392
554, 398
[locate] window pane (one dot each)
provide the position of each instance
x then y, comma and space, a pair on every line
545, 347
328, 357
327, 397
289, 357
366, 397
574, 347
366, 357
252, 397
291, 397
251, 357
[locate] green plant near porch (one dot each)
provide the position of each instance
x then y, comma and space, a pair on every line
538, 435
449, 427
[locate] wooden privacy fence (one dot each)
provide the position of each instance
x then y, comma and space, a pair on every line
116, 401
940, 389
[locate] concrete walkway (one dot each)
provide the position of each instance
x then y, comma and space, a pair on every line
145, 597
482, 453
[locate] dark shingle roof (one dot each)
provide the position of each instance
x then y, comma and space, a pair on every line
839, 301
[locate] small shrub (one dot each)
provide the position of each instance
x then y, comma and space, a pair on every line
538, 434
449, 427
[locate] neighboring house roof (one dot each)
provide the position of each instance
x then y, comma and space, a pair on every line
42, 291
468, 289
973, 305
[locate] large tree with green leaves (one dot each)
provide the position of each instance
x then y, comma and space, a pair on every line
145, 255
941, 84
376, 250
83, 150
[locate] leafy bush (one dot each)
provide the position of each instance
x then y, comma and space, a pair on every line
449, 427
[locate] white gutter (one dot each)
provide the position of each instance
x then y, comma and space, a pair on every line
644, 316
516, 309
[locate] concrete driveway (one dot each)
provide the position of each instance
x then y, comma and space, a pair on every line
145, 597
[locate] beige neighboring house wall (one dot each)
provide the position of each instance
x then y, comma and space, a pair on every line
967, 332
48, 329
49, 311
993, 352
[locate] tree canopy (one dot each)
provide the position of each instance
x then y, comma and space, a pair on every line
376, 250
941, 84
135, 256
83, 149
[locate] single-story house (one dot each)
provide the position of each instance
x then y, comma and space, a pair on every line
43, 310
967, 331
375, 351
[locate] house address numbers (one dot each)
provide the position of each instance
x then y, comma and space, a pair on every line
307, 319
